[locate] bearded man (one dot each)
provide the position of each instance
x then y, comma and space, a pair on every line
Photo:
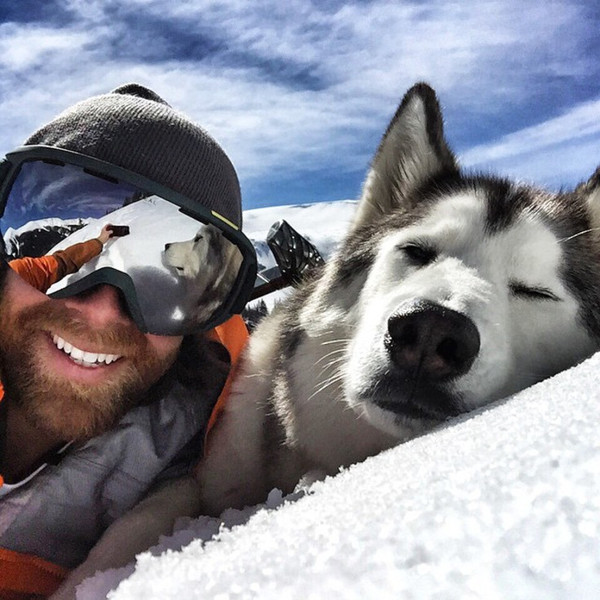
108, 380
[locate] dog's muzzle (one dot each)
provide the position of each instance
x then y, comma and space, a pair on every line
431, 343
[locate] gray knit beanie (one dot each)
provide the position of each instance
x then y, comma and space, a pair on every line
134, 128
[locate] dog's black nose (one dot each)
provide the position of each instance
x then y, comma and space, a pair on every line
432, 342
167, 246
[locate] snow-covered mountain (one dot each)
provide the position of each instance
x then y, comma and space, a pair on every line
323, 224
501, 503
37, 238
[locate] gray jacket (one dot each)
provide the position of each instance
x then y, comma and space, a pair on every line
61, 512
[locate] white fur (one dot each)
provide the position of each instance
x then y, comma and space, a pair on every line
523, 341
201, 271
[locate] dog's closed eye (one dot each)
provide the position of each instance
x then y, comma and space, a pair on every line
418, 254
198, 238
527, 292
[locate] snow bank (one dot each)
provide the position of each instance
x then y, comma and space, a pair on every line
501, 503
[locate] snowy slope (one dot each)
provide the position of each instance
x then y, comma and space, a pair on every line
500, 503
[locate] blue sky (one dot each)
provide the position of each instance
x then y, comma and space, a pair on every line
300, 92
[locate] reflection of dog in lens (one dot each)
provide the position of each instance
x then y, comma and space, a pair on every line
209, 263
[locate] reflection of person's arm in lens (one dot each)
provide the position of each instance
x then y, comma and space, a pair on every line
43, 271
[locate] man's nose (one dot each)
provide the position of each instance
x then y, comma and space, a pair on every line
101, 305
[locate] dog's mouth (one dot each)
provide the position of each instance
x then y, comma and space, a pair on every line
421, 401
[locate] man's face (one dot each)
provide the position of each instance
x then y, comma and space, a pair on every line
76, 365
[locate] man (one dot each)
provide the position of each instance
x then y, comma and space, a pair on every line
109, 380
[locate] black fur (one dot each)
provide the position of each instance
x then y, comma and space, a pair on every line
291, 332
505, 202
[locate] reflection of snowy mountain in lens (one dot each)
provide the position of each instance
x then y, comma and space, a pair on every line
38, 237
154, 224
322, 224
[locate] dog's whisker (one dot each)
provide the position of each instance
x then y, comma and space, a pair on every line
331, 366
321, 389
575, 235
333, 362
329, 382
337, 372
333, 353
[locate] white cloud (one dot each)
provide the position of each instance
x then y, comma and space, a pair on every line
484, 58
560, 150
25, 47
558, 167
580, 122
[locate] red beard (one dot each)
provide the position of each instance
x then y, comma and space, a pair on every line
73, 410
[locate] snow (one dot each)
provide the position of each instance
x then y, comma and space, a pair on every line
324, 224
501, 503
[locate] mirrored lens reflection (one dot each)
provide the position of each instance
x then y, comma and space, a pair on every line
182, 270
48, 202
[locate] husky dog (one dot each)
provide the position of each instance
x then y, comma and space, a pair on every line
449, 292
209, 264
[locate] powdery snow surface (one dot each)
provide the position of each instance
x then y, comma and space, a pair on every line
502, 503
499, 504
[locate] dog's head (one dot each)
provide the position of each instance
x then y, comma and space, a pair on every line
208, 264
468, 288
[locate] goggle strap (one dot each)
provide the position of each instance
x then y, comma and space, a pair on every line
5, 168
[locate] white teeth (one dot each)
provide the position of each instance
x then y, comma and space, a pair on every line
80, 357
86, 357
76, 353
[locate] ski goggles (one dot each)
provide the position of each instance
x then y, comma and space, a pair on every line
180, 267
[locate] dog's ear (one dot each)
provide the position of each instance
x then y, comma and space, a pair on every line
590, 190
412, 151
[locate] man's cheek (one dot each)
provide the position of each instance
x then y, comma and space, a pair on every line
165, 348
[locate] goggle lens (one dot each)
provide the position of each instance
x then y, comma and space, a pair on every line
176, 271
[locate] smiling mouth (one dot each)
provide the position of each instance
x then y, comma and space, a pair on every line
83, 358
